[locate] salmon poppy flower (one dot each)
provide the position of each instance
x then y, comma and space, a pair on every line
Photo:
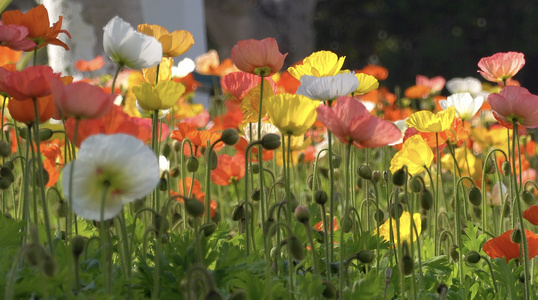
81, 100
90, 65
436, 84
531, 214
32, 82
238, 84
501, 66
174, 43
23, 110
319, 64
515, 104
350, 121
229, 169
198, 138
38, 24
259, 57
15, 38
503, 247
210, 64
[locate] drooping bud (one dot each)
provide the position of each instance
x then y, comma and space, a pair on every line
77, 245
161, 222
330, 290
379, 216
302, 214
208, 228
475, 196
256, 194
407, 265
347, 225
49, 265
230, 137
270, 141
194, 207
214, 159
396, 210
7, 173
296, 248
4, 183
376, 175
176, 145
416, 185
337, 161
425, 199
506, 169
528, 197
163, 184
238, 212
175, 172
472, 257
398, 178
321, 197
364, 172
365, 256
268, 229
45, 134
192, 164
255, 168
5, 149
454, 252
60, 209
166, 150
516, 236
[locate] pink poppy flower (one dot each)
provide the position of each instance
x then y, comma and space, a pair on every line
350, 121
239, 83
436, 84
32, 82
260, 57
501, 66
15, 38
81, 100
515, 103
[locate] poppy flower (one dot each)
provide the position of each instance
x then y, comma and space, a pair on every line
436, 84
90, 65
465, 105
350, 121
319, 225
229, 169
469, 85
149, 75
198, 138
531, 214
32, 82
127, 47
426, 121
287, 83
162, 96
241, 148
320, 63
238, 84
118, 167
405, 226
417, 92
193, 188
466, 161
379, 72
503, 247
15, 38
81, 100
415, 154
501, 66
259, 57
327, 87
266, 128
515, 104
53, 160
210, 64
367, 83
250, 104
23, 110
37, 21
291, 114
173, 43
8, 56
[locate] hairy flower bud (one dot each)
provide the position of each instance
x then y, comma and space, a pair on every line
230, 137
270, 141
472, 257
302, 214
5, 149
321, 197
194, 207
192, 164
398, 178
475, 196
364, 172
77, 245
425, 199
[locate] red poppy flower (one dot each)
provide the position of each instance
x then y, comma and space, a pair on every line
260, 57
531, 214
90, 65
32, 82
37, 22
502, 246
81, 99
229, 169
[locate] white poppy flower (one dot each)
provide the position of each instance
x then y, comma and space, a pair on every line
266, 129
120, 165
466, 106
127, 47
461, 85
183, 68
328, 87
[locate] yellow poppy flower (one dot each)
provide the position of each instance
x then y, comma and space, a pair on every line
173, 43
250, 104
297, 143
405, 226
415, 154
475, 164
165, 71
159, 97
426, 121
291, 114
321, 63
367, 83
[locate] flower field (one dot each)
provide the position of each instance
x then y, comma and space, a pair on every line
309, 182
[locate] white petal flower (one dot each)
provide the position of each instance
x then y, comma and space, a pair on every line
466, 106
119, 165
266, 129
184, 68
461, 85
125, 46
328, 87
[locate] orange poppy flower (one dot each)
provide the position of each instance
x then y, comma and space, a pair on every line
287, 83
319, 226
37, 22
417, 92
192, 188
456, 134
32, 82
189, 82
231, 119
229, 169
242, 145
210, 64
90, 65
503, 247
379, 72
198, 138
8, 56
531, 214
53, 160
23, 110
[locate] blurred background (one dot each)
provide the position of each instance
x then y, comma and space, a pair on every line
408, 37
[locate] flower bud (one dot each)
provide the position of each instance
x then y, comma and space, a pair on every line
489, 166
376, 175
321, 197
160, 222
475, 196
7, 173
60, 209
166, 150
416, 185
175, 172
49, 265
255, 168
364, 172
454, 252
214, 159
45, 134
379, 216
213, 295
302, 214
506, 168
34, 254
365, 256
176, 145
329, 291
398, 178
472, 257
230, 137
163, 184
4, 183
77, 245
192, 164
238, 212
527, 197
310, 182
516, 236
9, 164
194, 207
396, 210
407, 265
347, 225
216, 217
296, 248
506, 210
386, 176
337, 161
208, 228
270, 141
425, 199
477, 212
442, 290
268, 229
5, 149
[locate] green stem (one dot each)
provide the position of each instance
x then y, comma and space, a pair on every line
345, 210
115, 78
207, 202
